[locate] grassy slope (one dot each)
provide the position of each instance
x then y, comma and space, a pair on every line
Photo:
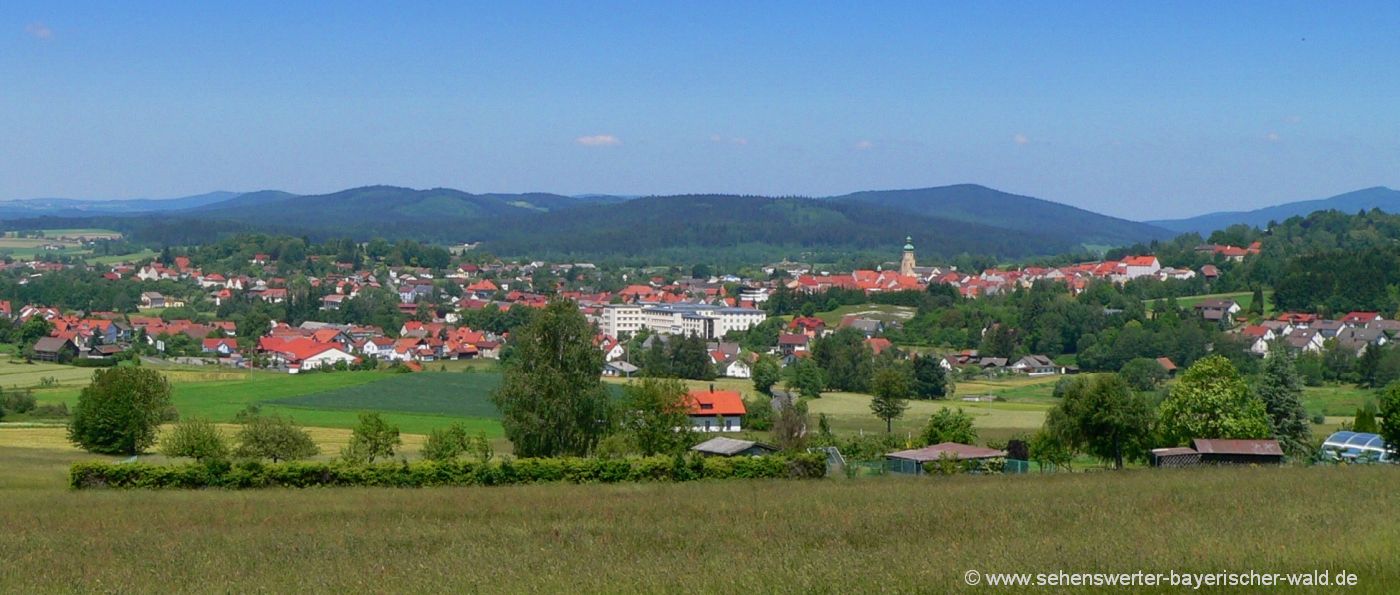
888, 534
1244, 298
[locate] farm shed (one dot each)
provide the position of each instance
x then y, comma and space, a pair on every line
1353, 445
1238, 452
912, 461
730, 447
1179, 456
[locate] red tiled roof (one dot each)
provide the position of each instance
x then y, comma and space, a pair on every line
721, 402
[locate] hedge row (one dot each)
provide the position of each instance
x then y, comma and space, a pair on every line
253, 474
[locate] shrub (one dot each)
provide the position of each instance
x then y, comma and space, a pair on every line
271, 437
445, 444
255, 474
20, 401
197, 439
372, 438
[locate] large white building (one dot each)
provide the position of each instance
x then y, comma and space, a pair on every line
616, 319
704, 320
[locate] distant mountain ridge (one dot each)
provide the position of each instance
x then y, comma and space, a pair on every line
944, 221
36, 207
979, 204
1378, 197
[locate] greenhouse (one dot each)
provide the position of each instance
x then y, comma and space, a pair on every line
1354, 445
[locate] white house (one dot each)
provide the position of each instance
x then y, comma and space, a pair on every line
1141, 266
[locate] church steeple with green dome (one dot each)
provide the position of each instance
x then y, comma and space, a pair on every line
906, 262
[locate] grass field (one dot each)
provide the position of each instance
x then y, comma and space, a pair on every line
120, 258
17, 374
1244, 298
876, 534
882, 312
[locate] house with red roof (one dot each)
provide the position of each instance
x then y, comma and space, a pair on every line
1360, 318
223, 347
1141, 266
715, 410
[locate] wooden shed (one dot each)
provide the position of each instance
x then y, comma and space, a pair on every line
1238, 452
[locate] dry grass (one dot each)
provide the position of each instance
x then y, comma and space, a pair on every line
54, 439
879, 534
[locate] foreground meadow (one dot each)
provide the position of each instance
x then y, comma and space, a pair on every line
835, 535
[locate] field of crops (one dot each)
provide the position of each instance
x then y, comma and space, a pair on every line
836, 535
441, 393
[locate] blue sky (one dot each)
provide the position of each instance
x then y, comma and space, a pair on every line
1134, 109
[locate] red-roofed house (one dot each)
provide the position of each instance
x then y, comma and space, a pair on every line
1141, 266
878, 345
1360, 318
715, 411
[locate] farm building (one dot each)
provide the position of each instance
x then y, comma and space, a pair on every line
1354, 445
720, 446
715, 411
1238, 452
1206, 451
912, 461
54, 349
1179, 456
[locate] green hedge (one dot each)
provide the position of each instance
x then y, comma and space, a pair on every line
453, 473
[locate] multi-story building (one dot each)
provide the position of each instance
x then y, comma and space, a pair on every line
704, 320
615, 319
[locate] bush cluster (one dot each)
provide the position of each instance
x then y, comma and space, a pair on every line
255, 474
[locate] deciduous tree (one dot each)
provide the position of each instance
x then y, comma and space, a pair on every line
551, 398
890, 390
120, 411
1212, 401
654, 412
948, 425
372, 438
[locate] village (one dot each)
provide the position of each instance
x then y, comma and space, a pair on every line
729, 316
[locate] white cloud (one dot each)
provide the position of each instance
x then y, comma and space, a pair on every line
1272, 137
864, 145
1293, 119
1021, 139
733, 140
598, 140
38, 30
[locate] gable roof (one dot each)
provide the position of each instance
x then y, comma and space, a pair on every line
956, 450
715, 402
721, 445
1237, 447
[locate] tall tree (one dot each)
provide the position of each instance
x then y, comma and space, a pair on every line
890, 390
1105, 417
120, 411
931, 381
1281, 389
1212, 401
845, 360
1368, 366
552, 399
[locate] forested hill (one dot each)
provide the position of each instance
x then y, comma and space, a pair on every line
943, 222
762, 226
980, 204
1378, 197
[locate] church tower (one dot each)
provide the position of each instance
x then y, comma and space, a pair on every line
906, 264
